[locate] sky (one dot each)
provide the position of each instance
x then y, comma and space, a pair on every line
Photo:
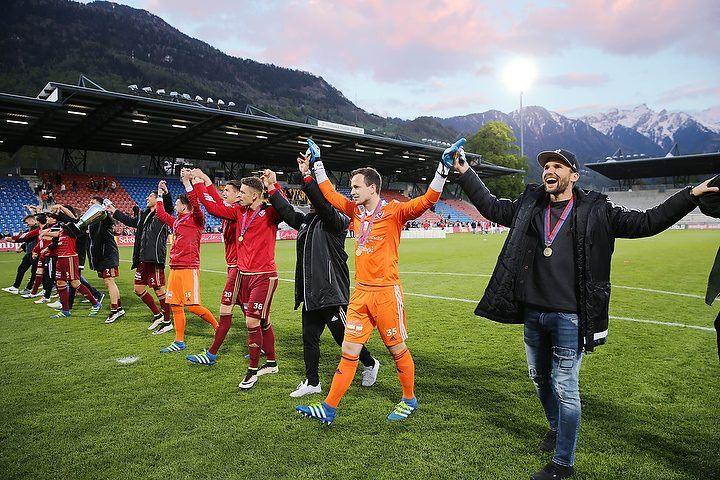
407, 58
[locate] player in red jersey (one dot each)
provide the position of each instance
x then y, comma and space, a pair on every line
67, 270
254, 235
184, 282
209, 195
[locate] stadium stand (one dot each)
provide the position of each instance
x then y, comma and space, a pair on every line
81, 198
15, 193
390, 195
464, 208
140, 187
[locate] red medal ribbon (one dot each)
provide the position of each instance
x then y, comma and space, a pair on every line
366, 226
553, 233
243, 228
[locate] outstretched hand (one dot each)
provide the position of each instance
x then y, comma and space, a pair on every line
705, 188
303, 161
461, 164
268, 178
162, 187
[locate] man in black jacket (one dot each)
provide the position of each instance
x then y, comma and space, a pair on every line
553, 275
28, 239
105, 259
322, 278
149, 253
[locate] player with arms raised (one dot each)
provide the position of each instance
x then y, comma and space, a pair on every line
378, 297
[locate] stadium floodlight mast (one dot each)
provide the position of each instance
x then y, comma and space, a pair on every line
519, 75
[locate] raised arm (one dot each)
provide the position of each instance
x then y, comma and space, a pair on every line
626, 223
27, 236
197, 212
160, 212
284, 209
496, 210
214, 204
336, 199
331, 217
124, 218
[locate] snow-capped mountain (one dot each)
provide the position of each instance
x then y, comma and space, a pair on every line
663, 128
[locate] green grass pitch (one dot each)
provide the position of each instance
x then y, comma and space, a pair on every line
651, 396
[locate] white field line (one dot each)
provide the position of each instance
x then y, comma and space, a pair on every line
468, 300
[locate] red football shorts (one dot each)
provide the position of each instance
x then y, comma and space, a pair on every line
67, 268
108, 272
256, 293
150, 274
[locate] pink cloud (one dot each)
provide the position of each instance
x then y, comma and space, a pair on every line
410, 41
575, 79
622, 26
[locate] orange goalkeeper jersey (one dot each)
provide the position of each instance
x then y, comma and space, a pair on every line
376, 262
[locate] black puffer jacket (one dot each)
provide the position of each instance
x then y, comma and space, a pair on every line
322, 278
102, 248
597, 222
150, 234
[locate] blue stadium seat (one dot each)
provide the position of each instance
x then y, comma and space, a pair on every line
140, 187
443, 209
15, 192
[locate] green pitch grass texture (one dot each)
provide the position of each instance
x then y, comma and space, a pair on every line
651, 396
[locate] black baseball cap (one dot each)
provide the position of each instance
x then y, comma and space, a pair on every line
564, 156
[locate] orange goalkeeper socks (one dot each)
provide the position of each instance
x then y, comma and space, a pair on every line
343, 378
205, 314
406, 372
179, 321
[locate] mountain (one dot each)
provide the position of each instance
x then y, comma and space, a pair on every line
117, 45
663, 128
546, 130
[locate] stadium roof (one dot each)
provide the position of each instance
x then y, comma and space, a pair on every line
677, 166
81, 118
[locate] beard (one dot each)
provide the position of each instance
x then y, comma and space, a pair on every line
559, 187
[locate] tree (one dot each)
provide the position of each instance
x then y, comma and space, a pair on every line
496, 143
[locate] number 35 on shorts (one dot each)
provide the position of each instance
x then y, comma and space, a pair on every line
391, 332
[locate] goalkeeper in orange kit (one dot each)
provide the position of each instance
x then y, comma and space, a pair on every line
377, 300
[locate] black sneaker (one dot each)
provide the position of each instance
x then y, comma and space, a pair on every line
548, 443
553, 471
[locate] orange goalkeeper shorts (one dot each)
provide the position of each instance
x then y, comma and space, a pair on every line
183, 287
380, 307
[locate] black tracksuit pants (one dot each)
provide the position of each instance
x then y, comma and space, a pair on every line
25, 264
313, 324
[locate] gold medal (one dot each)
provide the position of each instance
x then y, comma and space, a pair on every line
547, 252
358, 252
240, 238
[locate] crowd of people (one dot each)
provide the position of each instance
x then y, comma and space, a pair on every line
552, 274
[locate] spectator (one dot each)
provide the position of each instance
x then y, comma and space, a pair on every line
62, 188
74, 186
113, 186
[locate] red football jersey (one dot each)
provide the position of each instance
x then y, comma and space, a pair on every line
187, 232
210, 197
255, 246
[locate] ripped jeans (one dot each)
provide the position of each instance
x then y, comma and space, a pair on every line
551, 348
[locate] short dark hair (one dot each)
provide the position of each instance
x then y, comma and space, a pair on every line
28, 216
184, 200
371, 176
236, 184
253, 182
72, 209
98, 199
42, 218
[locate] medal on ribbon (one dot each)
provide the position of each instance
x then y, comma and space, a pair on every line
243, 227
550, 234
366, 225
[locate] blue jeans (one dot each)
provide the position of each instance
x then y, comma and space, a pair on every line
551, 348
